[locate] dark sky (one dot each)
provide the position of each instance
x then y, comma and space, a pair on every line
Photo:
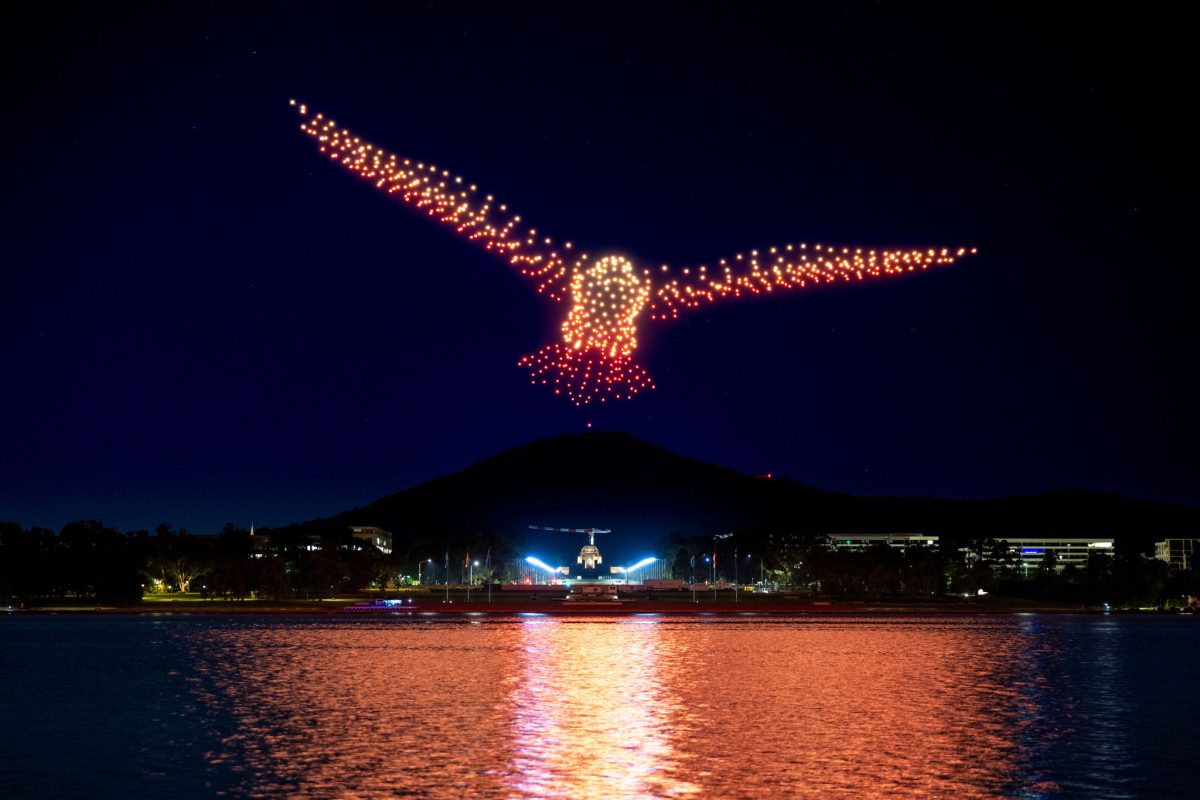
203, 321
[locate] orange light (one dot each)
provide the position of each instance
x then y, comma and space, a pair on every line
594, 361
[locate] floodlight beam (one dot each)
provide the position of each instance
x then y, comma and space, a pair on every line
542, 564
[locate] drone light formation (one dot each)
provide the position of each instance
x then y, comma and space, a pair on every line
594, 360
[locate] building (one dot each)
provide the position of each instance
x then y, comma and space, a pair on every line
589, 557
1177, 552
899, 541
378, 537
1030, 552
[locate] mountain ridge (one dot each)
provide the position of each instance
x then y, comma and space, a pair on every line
644, 491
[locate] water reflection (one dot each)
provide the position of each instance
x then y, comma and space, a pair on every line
541, 707
361, 710
813, 709
591, 717
1076, 713
851, 709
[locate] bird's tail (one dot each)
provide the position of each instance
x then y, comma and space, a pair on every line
586, 375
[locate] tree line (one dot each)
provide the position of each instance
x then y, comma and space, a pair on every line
809, 563
89, 560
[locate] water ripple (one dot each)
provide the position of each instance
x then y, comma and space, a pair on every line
550, 707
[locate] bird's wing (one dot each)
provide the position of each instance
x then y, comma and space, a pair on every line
793, 266
449, 200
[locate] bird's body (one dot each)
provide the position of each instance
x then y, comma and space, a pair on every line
594, 361
607, 299
595, 358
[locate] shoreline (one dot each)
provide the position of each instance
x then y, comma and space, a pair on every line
571, 608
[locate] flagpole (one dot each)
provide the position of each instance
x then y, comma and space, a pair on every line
714, 574
693, 563
447, 574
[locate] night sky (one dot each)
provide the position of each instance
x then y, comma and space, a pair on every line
203, 321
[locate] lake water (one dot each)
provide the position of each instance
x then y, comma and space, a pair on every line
647, 706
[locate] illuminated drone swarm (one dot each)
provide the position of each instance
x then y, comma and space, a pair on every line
594, 360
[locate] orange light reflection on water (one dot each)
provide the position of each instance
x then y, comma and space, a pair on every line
873, 709
364, 710
591, 717
640, 707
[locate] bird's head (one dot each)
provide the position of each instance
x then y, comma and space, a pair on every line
606, 300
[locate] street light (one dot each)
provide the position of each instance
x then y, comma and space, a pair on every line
419, 563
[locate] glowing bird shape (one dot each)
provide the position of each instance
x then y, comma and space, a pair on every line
608, 295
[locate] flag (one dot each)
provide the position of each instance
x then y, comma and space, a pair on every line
467, 560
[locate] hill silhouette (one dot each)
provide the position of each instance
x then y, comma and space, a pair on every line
643, 492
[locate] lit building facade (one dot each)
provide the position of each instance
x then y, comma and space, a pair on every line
1177, 552
1029, 552
589, 556
377, 537
589, 560
899, 541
